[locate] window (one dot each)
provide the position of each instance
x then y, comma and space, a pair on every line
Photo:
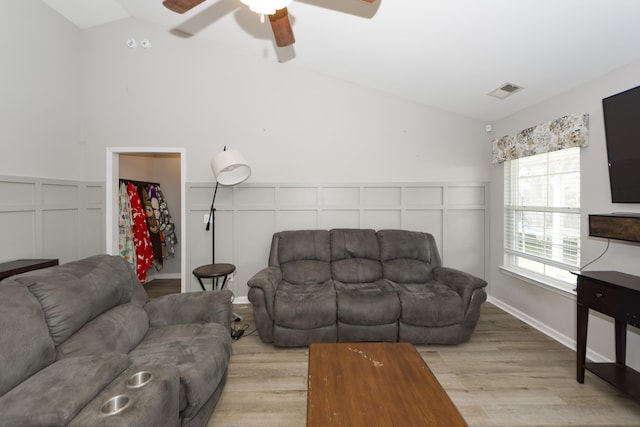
542, 214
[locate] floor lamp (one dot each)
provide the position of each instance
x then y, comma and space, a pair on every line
230, 168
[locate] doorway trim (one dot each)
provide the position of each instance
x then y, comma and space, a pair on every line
111, 206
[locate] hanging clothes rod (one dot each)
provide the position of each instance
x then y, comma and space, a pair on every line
136, 183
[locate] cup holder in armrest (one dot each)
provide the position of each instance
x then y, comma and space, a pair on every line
139, 379
115, 405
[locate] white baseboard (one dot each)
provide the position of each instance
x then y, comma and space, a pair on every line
241, 300
545, 329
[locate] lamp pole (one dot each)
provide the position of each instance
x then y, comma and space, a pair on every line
229, 168
210, 222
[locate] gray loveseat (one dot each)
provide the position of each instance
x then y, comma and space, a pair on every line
362, 285
74, 336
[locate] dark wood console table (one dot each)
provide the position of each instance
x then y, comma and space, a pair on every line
23, 265
617, 295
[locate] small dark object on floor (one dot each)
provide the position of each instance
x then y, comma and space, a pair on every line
236, 332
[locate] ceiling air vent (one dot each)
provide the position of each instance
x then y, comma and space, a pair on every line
505, 90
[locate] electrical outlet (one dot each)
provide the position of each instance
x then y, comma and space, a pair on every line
206, 218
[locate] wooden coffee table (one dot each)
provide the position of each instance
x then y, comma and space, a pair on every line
375, 384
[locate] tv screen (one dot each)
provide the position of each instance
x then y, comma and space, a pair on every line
622, 130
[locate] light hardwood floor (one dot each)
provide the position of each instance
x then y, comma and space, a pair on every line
509, 374
159, 287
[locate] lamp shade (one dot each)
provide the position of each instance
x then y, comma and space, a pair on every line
230, 167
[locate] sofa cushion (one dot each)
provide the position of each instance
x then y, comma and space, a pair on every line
54, 395
76, 292
25, 341
303, 256
407, 256
117, 330
367, 303
305, 307
355, 256
433, 304
201, 353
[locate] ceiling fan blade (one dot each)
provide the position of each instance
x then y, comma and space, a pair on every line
181, 6
204, 18
282, 31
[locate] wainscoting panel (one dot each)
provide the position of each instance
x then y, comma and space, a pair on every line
464, 240
93, 222
93, 198
421, 196
330, 218
298, 197
254, 230
60, 232
343, 197
60, 196
18, 229
425, 219
224, 233
381, 218
297, 219
17, 193
199, 244
465, 196
249, 197
43, 218
381, 196
247, 216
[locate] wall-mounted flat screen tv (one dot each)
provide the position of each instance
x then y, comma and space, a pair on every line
622, 130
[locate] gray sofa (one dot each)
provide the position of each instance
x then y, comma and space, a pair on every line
362, 285
74, 336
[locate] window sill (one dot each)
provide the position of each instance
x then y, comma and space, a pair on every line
557, 286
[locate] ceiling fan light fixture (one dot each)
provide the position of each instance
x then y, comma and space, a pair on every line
266, 7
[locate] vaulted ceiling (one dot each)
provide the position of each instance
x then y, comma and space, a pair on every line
444, 53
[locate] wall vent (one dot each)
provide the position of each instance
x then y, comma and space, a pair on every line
505, 90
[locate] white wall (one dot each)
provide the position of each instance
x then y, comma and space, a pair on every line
549, 310
46, 210
292, 125
40, 128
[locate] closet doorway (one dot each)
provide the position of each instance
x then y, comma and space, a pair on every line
165, 166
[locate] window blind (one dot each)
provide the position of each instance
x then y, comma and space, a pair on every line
542, 211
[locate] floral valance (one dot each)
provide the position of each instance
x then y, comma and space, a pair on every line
565, 132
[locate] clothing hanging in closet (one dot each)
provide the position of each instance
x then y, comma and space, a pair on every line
147, 232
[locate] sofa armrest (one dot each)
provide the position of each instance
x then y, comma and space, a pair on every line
463, 283
153, 404
55, 394
192, 307
267, 280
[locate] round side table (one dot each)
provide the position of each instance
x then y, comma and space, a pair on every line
214, 272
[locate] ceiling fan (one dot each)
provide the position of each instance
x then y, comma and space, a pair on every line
275, 9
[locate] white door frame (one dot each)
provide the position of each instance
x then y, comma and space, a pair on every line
111, 206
